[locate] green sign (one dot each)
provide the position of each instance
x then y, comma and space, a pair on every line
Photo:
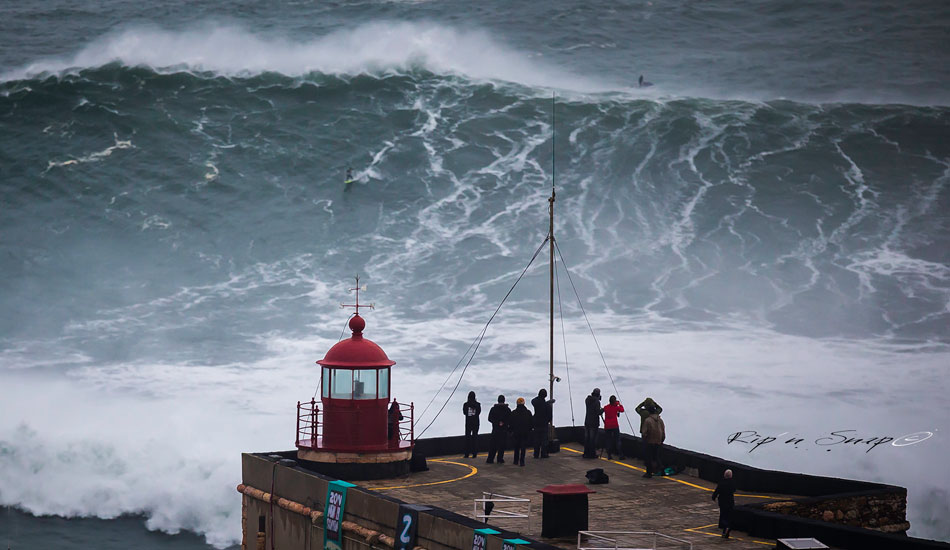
333, 515
480, 538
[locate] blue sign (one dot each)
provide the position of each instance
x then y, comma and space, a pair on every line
407, 525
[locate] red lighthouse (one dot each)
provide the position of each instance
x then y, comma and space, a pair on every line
357, 431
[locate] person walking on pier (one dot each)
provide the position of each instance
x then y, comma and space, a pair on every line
592, 423
611, 412
643, 410
472, 409
725, 492
498, 416
542, 418
654, 433
521, 423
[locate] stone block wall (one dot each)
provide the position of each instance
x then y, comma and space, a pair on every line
881, 511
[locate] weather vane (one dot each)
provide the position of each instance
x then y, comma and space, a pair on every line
357, 304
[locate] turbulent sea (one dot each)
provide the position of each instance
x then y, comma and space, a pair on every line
760, 240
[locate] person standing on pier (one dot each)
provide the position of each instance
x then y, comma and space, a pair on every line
521, 424
498, 416
395, 415
725, 492
542, 417
654, 433
592, 423
472, 410
611, 412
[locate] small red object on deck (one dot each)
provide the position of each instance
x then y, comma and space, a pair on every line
566, 490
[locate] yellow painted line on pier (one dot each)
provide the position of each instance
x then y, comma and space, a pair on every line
472, 471
668, 478
697, 530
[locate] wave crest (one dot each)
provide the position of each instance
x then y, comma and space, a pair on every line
373, 47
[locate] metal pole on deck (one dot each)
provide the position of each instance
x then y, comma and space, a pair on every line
551, 245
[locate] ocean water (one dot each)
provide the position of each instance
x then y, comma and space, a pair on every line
760, 239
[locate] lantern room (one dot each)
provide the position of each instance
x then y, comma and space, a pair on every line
355, 393
357, 423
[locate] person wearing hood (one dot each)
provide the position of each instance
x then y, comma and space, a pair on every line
472, 409
643, 410
653, 434
592, 423
542, 418
725, 492
498, 416
520, 423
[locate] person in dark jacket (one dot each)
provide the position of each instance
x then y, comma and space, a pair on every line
542, 418
725, 492
498, 416
394, 417
653, 434
592, 423
472, 409
521, 423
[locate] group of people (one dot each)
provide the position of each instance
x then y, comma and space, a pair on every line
520, 423
652, 428
525, 427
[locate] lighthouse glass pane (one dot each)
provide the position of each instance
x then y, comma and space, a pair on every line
342, 384
384, 383
364, 384
325, 384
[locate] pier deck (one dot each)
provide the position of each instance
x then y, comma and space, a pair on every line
678, 506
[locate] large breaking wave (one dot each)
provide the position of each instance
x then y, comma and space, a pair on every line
377, 47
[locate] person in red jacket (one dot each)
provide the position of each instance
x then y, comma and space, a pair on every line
611, 412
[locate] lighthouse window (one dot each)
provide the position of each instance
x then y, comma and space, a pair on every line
384, 383
364, 384
325, 384
342, 384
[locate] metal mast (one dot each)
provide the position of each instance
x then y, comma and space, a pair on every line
551, 244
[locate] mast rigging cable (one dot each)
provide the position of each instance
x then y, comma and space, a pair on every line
567, 367
479, 339
591, 328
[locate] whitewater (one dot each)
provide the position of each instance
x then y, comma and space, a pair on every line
755, 250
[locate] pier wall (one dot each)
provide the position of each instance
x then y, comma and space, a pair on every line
872, 515
288, 501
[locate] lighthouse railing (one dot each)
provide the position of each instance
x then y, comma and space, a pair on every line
406, 425
309, 416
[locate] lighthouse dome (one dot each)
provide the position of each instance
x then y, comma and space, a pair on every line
356, 351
